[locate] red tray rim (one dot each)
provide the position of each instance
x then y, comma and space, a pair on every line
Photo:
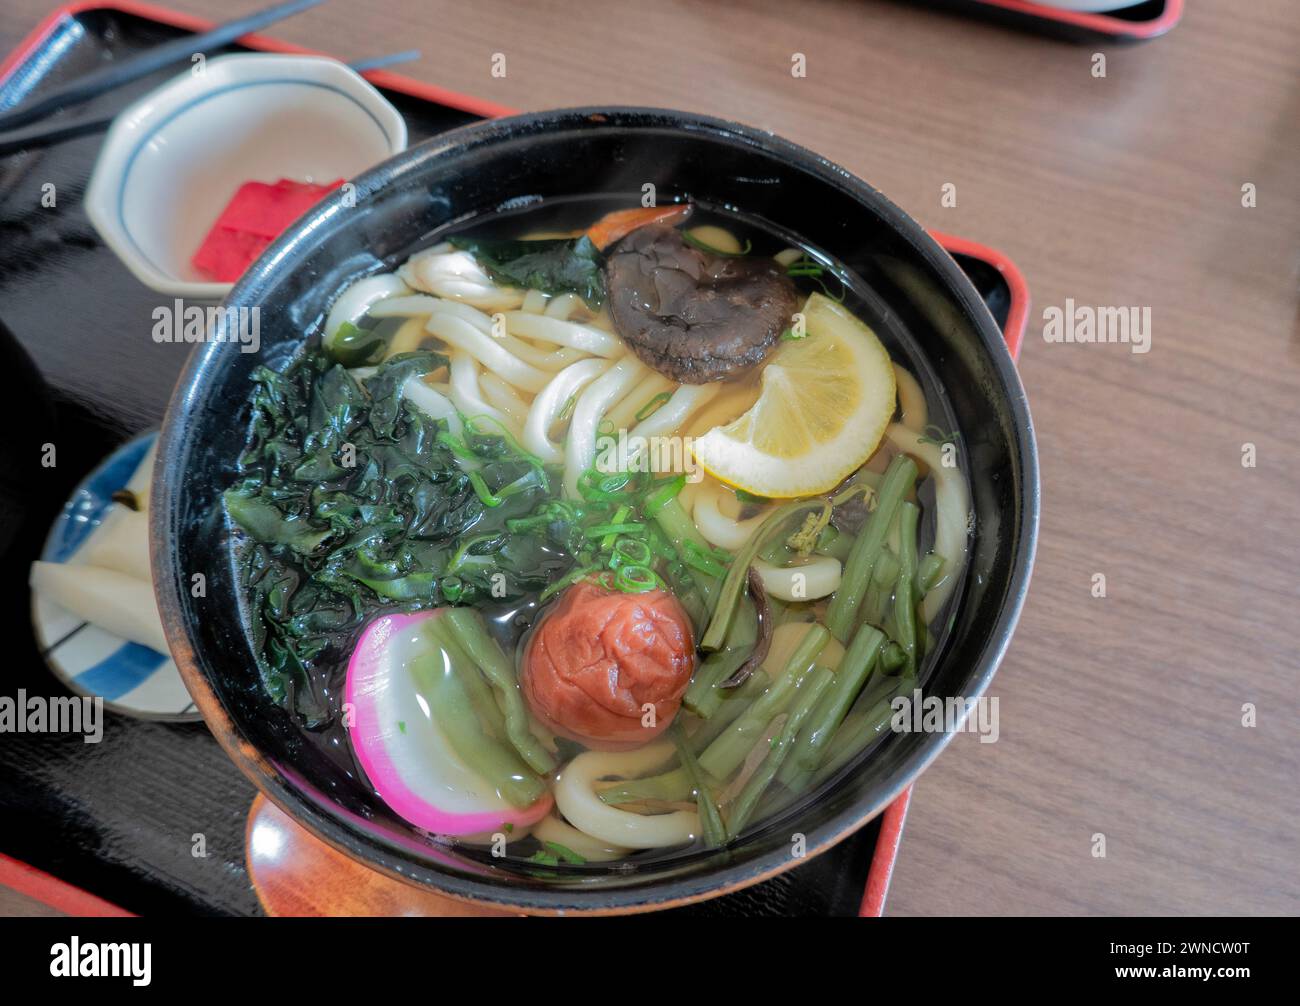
50, 890
73, 900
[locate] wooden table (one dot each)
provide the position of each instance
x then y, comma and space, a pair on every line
1120, 715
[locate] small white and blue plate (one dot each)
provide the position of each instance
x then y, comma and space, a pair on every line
132, 679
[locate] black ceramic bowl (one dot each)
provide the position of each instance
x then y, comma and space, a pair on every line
476, 172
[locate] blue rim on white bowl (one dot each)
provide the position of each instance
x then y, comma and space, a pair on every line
173, 160
132, 679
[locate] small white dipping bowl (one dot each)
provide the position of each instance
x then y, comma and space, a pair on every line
173, 160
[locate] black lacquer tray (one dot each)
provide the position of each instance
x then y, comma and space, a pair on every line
121, 819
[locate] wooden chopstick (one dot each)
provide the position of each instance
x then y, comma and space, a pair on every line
116, 74
379, 62
30, 137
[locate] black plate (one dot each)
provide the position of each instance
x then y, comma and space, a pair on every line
470, 174
1137, 22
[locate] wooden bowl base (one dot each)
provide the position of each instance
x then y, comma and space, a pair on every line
296, 874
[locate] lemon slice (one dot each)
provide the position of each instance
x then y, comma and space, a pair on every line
825, 402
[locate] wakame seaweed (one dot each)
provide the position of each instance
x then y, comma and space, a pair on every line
356, 502
552, 265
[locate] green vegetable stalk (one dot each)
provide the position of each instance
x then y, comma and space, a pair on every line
812, 689
467, 629
843, 612
725, 754
713, 831
454, 712
676, 783
851, 675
